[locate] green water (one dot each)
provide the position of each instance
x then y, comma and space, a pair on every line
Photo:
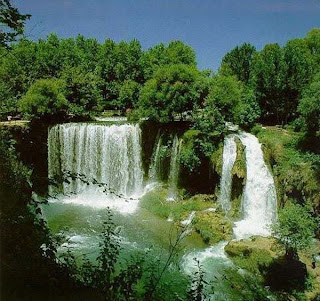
82, 226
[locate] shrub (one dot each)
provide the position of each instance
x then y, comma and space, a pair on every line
45, 97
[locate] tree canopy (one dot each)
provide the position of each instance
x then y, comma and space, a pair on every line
172, 90
163, 82
45, 97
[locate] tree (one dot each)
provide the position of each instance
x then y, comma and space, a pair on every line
298, 61
49, 60
225, 95
81, 91
45, 97
128, 95
172, 90
313, 42
118, 63
17, 72
294, 229
248, 112
12, 22
268, 80
309, 108
160, 55
239, 61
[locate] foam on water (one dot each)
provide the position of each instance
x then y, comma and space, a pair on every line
207, 258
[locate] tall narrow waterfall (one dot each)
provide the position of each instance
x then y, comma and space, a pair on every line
155, 165
229, 158
108, 154
259, 203
174, 167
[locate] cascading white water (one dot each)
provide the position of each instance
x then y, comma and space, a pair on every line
109, 154
174, 167
259, 204
229, 158
154, 170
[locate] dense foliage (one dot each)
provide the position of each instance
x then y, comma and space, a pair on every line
172, 90
44, 97
294, 229
163, 82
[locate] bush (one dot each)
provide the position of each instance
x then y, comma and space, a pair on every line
295, 229
45, 97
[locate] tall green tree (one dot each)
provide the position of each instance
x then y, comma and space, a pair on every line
239, 61
128, 95
298, 64
118, 63
49, 59
81, 91
309, 108
172, 90
313, 42
225, 94
160, 55
268, 80
17, 72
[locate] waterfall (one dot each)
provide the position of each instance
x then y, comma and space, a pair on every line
259, 203
174, 167
229, 158
155, 165
109, 154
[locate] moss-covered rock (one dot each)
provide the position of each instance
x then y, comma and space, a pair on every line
253, 255
209, 220
239, 168
289, 279
156, 202
212, 226
217, 160
239, 173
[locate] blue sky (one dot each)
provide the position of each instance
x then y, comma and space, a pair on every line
211, 27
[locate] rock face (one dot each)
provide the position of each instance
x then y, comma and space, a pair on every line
238, 173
